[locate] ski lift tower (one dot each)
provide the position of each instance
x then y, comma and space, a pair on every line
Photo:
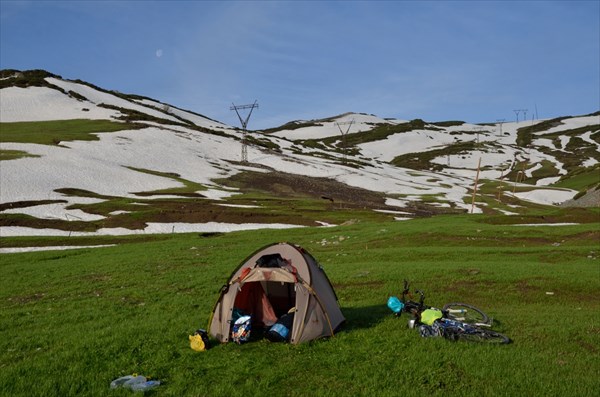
244, 123
344, 133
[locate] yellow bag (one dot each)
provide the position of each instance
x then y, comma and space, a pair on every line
430, 315
196, 343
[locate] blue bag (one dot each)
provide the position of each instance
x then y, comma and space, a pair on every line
395, 304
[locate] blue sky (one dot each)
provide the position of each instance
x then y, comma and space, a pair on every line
475, 61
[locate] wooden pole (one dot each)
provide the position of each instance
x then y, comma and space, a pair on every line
475, 186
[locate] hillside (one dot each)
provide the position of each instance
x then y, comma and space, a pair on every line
78, 159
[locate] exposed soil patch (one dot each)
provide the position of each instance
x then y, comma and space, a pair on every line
292, 185
25, 204
591, 235
588, 346
469, 272
38, 223
23, 299
94, 277
201, 211
169, 211
524, 287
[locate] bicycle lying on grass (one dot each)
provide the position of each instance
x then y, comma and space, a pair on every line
455, 321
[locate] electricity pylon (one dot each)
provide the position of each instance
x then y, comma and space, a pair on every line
517, 111
244, 123
500, 121
339, 126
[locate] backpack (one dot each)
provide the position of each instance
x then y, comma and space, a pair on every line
280, 331
240, 331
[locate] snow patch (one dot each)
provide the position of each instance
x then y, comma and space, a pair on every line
44, 104
54, 248
546, 196
151, 228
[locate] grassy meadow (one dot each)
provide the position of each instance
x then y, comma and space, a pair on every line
56, 131
74, 320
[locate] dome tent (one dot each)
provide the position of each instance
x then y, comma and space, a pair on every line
278, 279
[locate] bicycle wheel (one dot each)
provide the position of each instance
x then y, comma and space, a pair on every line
466, 313
481, 335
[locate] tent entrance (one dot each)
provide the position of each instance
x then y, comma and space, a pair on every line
266, 301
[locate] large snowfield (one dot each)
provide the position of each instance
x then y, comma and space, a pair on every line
110, 166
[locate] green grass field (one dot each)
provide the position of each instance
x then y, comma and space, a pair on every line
54, 132
72, 321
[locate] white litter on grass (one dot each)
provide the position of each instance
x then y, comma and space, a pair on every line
53, 248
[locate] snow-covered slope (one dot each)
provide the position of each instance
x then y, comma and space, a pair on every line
127, 162
43, 103
346, 123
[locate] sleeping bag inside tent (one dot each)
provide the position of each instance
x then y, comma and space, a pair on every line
285, 292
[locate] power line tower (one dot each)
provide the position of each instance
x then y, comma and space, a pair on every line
517, 111
500, 121
344, 133
244, 123
478, 130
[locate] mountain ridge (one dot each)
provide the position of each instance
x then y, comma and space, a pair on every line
415, 167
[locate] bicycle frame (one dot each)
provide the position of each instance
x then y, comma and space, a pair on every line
416, 308
451, 325
412, 307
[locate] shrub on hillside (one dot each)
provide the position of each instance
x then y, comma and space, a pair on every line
27, 78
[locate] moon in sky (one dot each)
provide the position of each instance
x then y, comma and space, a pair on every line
159, 53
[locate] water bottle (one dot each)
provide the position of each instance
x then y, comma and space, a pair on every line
120, 381
143, 386
134, 381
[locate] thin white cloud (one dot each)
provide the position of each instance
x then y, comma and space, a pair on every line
461, 60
